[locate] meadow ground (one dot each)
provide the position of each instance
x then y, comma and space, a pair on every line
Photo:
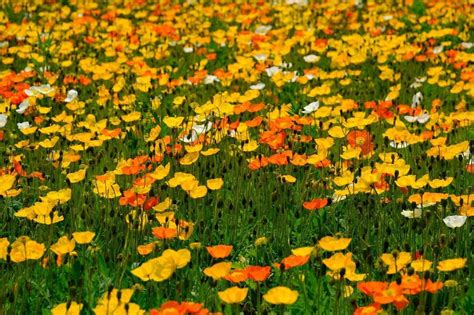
194, 157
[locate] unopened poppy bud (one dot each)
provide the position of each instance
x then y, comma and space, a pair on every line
399, 279
426, 275
442, 239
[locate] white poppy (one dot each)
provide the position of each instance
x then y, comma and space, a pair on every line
188, 49
415, 214
190, 137
4, 44
311, 107
418, 82
71, 96
455, 221
42, 89
398, 145
23, 106
210, 79
272, 71
297, 2
258, 86
416, 99
3, 120
337, 198
295, 76
438, 49
310, 76
263, 29
23, 125
467, 45
199, 129
423, 118
260, 57
311, 58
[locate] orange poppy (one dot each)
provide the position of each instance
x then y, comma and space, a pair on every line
294, 261
173, 307
258, 273
253, 108
254, 122
219, 251
323, 163
371, 287
361, 139
315, 204
411, 285
132, 199
236, 276
239, 109
150, 203
272, 139
114, 133
393, 294
161, 232
298, 159
431, 286
278, 159
368, 310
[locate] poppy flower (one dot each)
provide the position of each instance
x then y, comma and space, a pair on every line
69, 308
24, 248
219, 270
411, 285
330, 243
361, 139
315, 204
219, 251
233, 295
281, 295
237, 275
83, 237
372, 309
371, 287
258, 273
431, 286
451, 264
164, 233
150, 203
293, 261
396, 261
393, 294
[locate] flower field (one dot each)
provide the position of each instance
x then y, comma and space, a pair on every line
236, 157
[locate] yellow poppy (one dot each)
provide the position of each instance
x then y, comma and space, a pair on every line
83, 237
281, 295
233, 295
451, 264
330, 243
215, 184
219, 270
